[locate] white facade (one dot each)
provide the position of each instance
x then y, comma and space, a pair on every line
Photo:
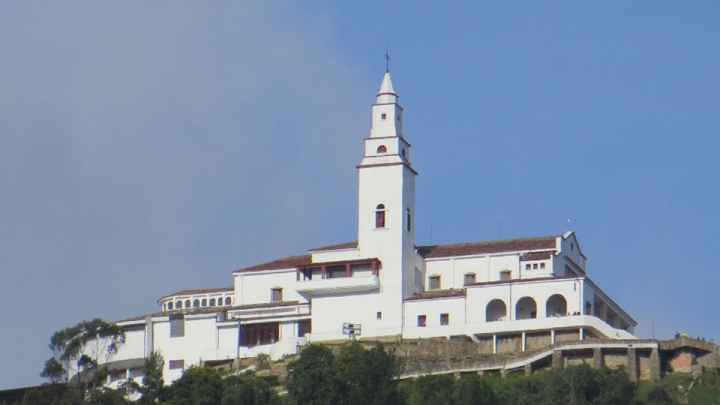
382, 282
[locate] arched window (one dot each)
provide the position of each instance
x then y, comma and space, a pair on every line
381, 149
196, 303
212, 302
228, 301
178, 304
496, 310
525, 308
169, 306
187, 303
409, 219
380, 216
556, 305
203, 303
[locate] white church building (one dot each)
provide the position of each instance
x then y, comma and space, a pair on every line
383, 284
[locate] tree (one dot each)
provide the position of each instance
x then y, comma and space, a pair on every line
312, 379
614, 386
248, 389
82, 347
367, 377
470, 389
197, 386
106, 396
432, 390
54, 394
153, 388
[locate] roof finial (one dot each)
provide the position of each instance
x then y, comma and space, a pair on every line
387, 59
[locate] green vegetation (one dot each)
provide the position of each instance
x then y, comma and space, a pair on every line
360, 376
81, 348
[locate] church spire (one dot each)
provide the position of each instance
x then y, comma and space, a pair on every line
386, 95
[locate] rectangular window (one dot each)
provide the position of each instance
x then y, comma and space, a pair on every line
422, 321
116, 375
469, 279
304, 327
542, 265
535, 266
176, 364
276, 295
259, 334
504, 275
527, 266
335, 272
378, 315
435, 282
444, 319
177, 326
136, 372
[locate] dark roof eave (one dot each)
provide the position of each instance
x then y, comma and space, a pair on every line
489, 247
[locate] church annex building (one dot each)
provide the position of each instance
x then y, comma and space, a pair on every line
381, 286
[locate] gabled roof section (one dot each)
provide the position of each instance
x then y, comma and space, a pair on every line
289, 262
493, 246
199, 291
571, 234
435, 294
339, 246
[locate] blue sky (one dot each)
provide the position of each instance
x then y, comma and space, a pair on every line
147, 147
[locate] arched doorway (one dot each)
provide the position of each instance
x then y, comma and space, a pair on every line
556, 306
496, 310
525, 308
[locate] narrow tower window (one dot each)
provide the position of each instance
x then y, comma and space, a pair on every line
381, 149
380, 216
383, 117
409, 220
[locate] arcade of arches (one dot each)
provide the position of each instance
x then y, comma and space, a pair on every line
525, 308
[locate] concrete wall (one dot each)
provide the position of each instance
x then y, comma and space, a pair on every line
255, 288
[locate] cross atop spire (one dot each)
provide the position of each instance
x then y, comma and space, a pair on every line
387, 59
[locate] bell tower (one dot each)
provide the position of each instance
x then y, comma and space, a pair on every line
386, 195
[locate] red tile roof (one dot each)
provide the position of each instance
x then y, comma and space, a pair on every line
339, 246
457, 249
492, 246
536, 256
289, 262
433, 294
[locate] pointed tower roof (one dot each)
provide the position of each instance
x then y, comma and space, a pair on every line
386, 95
